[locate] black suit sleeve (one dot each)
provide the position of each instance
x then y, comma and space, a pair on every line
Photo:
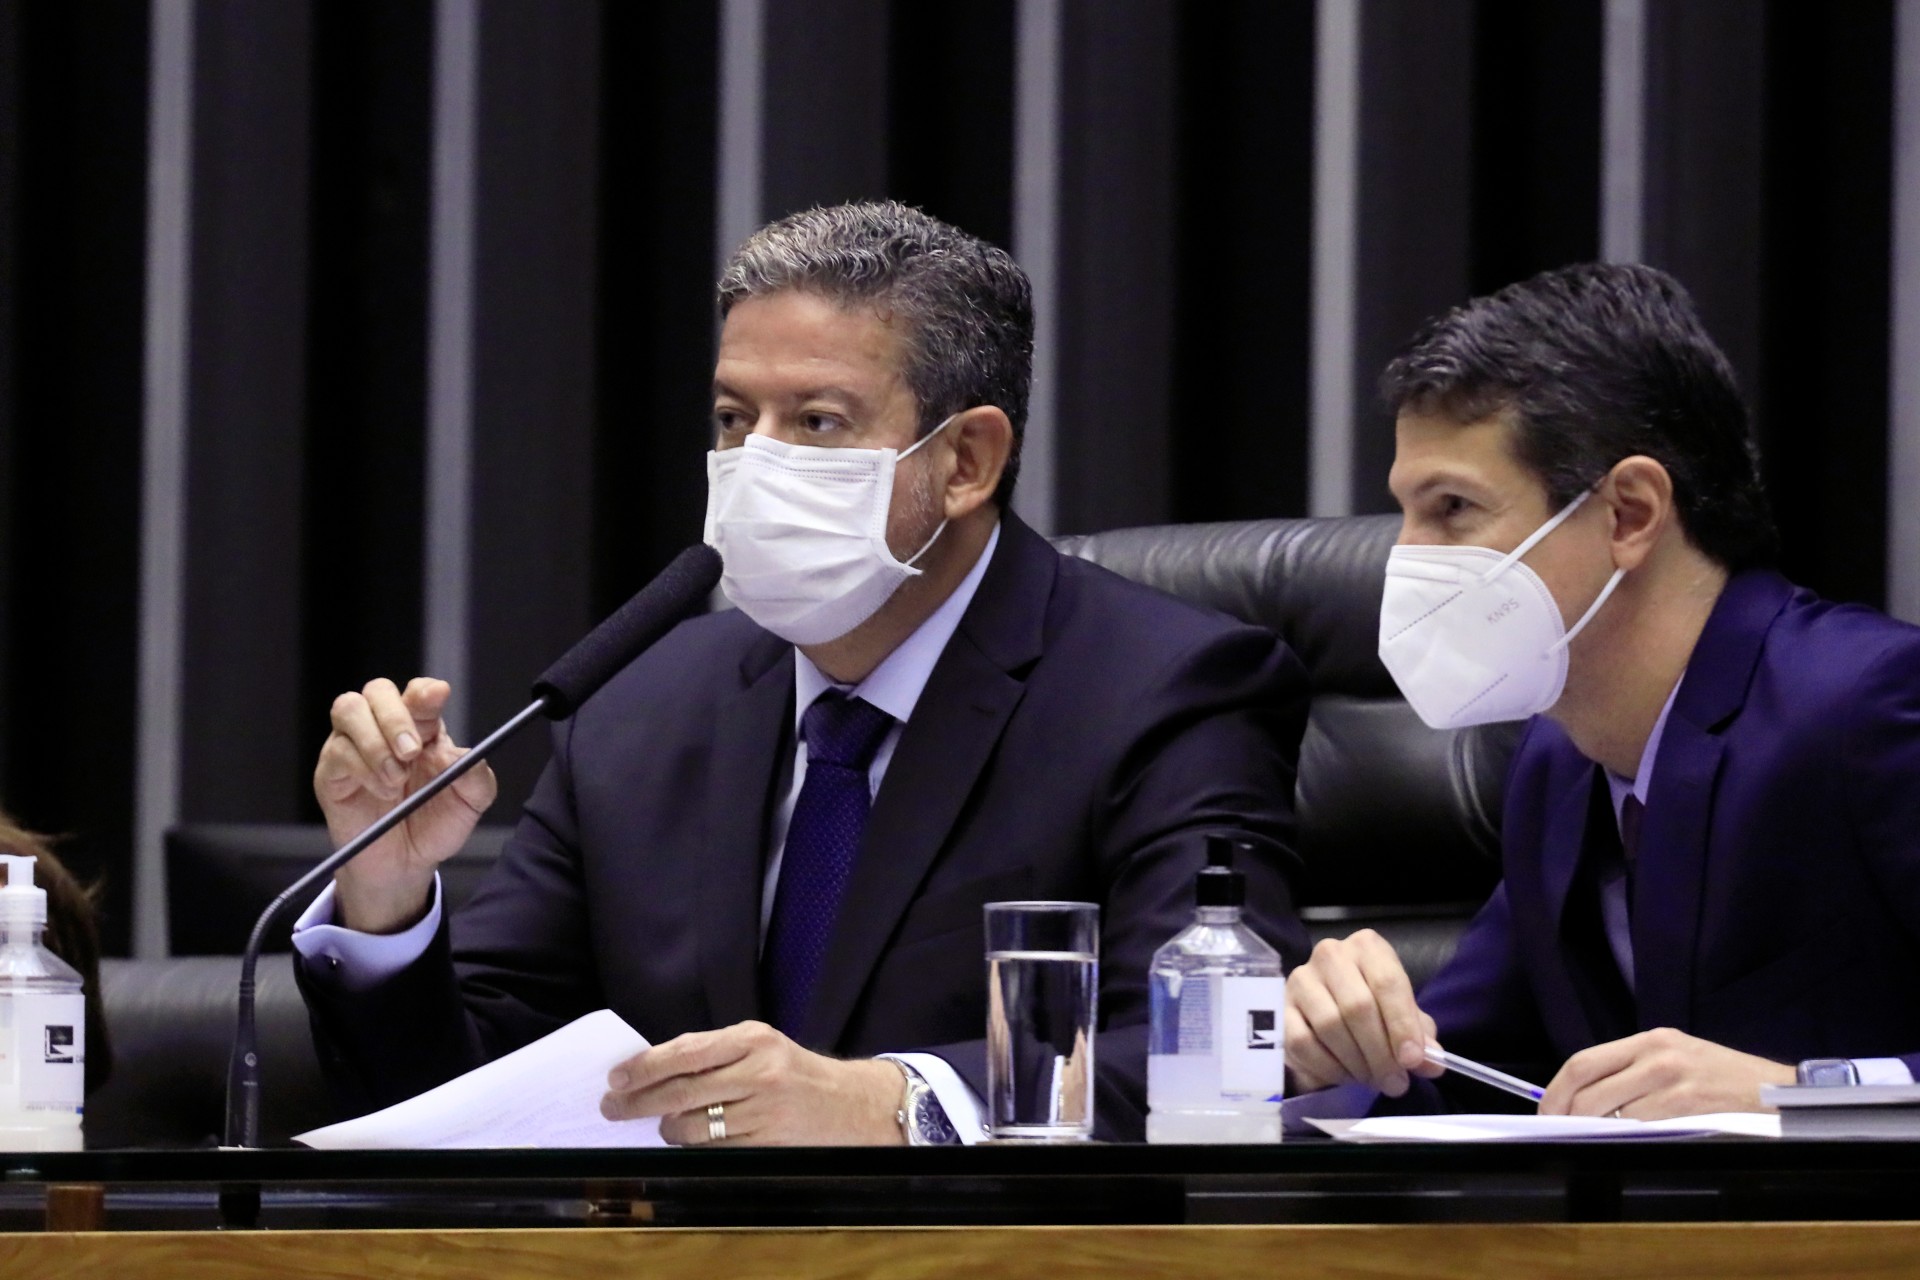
1211, 745
525, 969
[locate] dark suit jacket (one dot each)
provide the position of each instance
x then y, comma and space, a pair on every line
1076, 740
1776, 900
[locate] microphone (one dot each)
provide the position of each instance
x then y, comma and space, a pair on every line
680, 588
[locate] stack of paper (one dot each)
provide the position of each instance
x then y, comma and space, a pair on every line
1537, 1128
1846, 1111
545, 1095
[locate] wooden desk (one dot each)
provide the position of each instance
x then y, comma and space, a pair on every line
1620, 1251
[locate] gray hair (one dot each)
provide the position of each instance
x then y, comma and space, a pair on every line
967, 305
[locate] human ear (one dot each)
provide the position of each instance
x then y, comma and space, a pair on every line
1639, 494
981, 441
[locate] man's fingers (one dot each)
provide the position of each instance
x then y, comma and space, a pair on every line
1583, 1070
395, 720
341, 772
353, 721
1431, 1070
1321, 1016
688, 1054
426, 699
1407, 1028
1360, 1012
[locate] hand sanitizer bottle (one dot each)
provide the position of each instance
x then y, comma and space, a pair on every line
43, 1025
1215, 1061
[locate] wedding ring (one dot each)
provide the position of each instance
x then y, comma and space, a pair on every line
717, 1122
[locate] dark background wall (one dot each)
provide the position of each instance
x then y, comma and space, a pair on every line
1186, 219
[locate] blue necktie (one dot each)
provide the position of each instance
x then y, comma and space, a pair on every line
842, 735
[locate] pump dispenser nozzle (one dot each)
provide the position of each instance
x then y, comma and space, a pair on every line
1218, 884
21, 901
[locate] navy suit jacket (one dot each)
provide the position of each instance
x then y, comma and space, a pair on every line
1776, 897
1077, 739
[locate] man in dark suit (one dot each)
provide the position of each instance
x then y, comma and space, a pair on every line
768, 842
1712, 834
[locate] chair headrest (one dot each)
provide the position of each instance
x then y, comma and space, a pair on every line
1316, 582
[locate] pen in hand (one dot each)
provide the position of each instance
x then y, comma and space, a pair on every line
1484, 1074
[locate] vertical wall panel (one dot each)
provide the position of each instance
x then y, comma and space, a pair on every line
1238, 427
241, 751
824, 132
447, 538
1333, 382
1624, 116
1703, 162
1036, 244
364, 444
1826, 234
1116, 254
1903, 472
74, 415
657, 209
534, 349
1415, 211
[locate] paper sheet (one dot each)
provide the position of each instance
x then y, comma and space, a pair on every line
1536, 1128
544, 1095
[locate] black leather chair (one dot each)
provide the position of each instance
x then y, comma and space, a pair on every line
1398, 830
1398, 823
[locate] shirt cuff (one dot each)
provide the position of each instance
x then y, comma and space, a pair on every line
956, 1097
1882, 1071
358, 961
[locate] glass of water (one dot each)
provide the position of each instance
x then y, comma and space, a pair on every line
1043, 973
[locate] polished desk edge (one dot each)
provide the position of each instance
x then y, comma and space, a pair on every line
1796, 1251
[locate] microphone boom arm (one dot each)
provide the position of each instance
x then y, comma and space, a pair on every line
243, 1069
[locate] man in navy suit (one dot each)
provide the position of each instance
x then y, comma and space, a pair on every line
1712, 827
768, 842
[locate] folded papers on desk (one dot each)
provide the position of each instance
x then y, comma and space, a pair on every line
544, 1095
1537, 1128
1846, 1111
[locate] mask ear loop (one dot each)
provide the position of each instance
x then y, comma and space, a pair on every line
1587, 617
1533, 539
914, 559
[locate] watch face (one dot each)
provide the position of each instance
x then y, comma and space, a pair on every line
1828, 1072
930, 1121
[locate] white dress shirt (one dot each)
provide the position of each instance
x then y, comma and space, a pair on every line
364, 960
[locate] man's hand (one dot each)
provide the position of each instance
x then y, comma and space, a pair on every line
1351, 1016
384, 745
1658, 1074
775, 1093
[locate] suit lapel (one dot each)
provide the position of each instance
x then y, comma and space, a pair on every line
1670, 877
750, 730
956, 724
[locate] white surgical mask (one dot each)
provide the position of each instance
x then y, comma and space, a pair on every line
802, 532
1472, 636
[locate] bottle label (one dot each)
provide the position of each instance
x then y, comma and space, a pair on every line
1252, 1053
49, 1051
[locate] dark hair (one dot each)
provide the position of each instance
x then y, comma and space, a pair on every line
1595, 363
967, 305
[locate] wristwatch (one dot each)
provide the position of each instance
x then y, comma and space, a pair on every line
923, 1121
1822, 1072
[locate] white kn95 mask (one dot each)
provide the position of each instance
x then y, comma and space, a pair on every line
1474, 637
802, 533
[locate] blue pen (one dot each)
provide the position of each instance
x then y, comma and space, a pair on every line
1484, 1074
